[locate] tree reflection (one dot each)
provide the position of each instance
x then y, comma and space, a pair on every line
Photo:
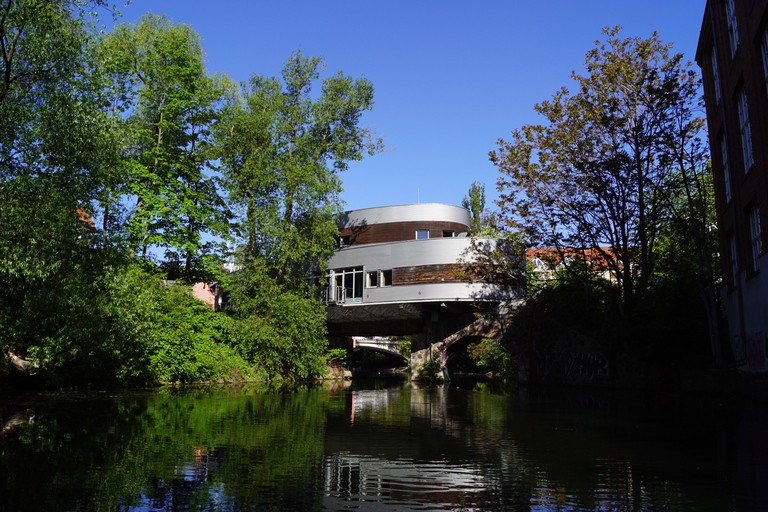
308, 448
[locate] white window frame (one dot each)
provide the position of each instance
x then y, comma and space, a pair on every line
746, 132
351, 280
755, 237
726, 168
421, 232
383, 281
733, 32
372, 279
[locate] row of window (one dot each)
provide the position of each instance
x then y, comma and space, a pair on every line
421, 234
742, 107
756, 244
348, 283
745, 135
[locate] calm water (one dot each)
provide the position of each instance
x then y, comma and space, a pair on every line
379, 446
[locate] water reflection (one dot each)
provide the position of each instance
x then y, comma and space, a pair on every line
463, 446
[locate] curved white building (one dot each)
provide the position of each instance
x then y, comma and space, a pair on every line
401, 259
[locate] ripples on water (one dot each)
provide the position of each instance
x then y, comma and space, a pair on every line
463, 446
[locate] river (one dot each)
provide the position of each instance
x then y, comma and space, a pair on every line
377, 445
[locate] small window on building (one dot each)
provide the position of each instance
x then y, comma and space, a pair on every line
344, 241
733, 33
422, 234
386, 277
746, 132
755, 236
372, 280
447, 233
726, 169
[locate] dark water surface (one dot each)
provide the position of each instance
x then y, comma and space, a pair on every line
379, 446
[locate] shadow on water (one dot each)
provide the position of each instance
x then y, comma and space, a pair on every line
471, 444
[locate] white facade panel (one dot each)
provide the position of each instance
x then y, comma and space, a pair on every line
408, 253
405, 213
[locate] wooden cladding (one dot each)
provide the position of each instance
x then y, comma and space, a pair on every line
399, 231
424, 274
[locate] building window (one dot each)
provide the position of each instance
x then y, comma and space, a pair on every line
422, 234
386, 277
734, 259
373, 279
349, 282
746, 133
726, 169
764, 46
754, 234
733, 33
344, 241
716, 75
447, 233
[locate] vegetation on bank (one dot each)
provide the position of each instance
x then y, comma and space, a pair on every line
124, 162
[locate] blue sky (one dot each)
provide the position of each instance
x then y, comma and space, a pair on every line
451, 77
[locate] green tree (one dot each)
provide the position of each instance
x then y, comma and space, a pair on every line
54, 140
282, 150
168, 103
597, 175
474, 201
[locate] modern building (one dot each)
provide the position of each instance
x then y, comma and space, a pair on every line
397, 265
733, 56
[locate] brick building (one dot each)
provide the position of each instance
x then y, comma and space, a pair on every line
733, 56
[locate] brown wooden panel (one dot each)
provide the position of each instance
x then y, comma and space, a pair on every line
422, 274
398, 231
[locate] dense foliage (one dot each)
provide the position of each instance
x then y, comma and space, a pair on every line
109, 190
617, 184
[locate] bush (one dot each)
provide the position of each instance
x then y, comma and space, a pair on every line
192, 343
491, 354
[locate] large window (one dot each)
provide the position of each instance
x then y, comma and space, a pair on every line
746, 133
734, 259
716, 75
733, 33
754, 233
764, 46
726, 169
347, 284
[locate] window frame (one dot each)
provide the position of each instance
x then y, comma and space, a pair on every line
726, 169
716, 75
764, 53
755, 236
733, 31
421, 232
744, 129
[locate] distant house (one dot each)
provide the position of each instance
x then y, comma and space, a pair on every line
212, 294
733, 56
547, 262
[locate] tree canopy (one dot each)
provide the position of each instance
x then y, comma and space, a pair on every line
617, 163
124, 163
